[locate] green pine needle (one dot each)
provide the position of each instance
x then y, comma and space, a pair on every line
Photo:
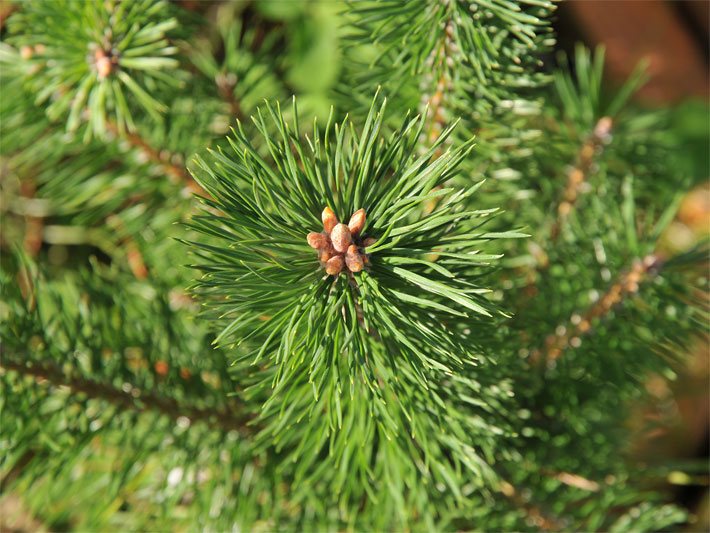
365, 343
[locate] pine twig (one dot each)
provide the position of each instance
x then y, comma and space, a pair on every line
440, 58
538, 517
576, 178
34, 225
225, 87
129, 398
574, 480
17, 468
570, 335
176, 172
133, 254
580, 172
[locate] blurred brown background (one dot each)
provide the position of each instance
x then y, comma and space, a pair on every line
671, 35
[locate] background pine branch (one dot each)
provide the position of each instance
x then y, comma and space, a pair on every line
475, 367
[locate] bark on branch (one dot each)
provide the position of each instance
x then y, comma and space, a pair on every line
130, 398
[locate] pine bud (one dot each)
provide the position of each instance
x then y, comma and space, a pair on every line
353, 259
329, 219
602, 131
317, 240
334, 265
103, 64
368, 242
325, 254
357, 221
340, 237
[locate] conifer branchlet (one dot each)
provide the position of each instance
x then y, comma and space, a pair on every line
351, 349
76, 65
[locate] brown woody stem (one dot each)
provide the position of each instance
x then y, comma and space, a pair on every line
577, 176
176, 172
579, 325
34, 225
131, 399
538, 517
439, 58
225, 87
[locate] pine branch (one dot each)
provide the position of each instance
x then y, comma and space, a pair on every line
495, 42
239, 63
129, 398
570, 335
440, 59
161, 157
225, 88
591, 149
369, 380
135, 259
129, 54
33, 224
338, 352
539, 518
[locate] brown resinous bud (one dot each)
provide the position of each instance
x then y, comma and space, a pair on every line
104, 63
341, 238
353, 259
317, 240
329, 220
339, 245
334, 265
357, 222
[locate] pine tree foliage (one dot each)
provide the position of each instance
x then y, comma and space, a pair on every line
78, 58
357, 348
472, 53
469, 365
243, 76
599, 301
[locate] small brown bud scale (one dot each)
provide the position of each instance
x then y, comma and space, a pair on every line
341, 238
357, 222
329, 220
